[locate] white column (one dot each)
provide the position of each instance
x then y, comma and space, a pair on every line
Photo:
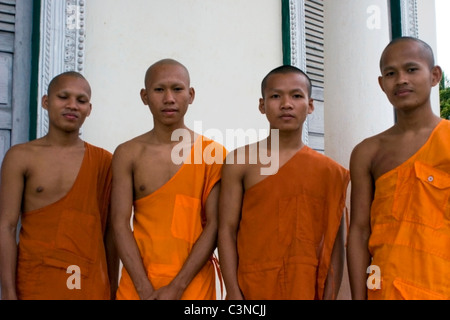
356, 32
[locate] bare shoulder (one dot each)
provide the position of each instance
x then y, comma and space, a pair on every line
239, 161
22, 153
243, 156
366, 151
130, 147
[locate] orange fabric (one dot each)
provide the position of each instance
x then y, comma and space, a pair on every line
66, 233
288, 228
168, 222
410, 218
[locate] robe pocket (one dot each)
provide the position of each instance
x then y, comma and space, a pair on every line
425, 201
186, 221
77, 234
403, 290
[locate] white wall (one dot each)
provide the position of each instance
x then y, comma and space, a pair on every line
228, 46
356, 33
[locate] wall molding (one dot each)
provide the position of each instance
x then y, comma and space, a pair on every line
410, 23
62, 47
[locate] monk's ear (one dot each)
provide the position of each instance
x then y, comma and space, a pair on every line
380, 82
144, 96
262, 107
90, 110
45, 102
310, 105
436, 74
192, 95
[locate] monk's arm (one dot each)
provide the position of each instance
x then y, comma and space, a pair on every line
121, 209
334, 278
229, 218
200, 253
112, 257
11, 191
358, 255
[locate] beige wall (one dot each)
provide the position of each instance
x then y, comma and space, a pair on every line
228, 46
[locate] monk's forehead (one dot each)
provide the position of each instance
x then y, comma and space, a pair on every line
408, 47
167, 68
67, 81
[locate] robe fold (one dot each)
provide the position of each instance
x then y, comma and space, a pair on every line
288, 229
68, 233
168, 222
410, 220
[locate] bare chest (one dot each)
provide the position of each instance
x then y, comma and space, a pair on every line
394, 153
50, 177
152, 171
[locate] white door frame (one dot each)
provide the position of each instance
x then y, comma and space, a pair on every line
61, 47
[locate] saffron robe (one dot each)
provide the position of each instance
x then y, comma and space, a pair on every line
410, 220
168, 222
68, 233
288, 229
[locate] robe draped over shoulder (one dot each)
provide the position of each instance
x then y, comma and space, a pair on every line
410, 220
288, 228
168, 222
68, 233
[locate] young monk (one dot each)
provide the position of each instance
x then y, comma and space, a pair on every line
59, 186
168, 255
279, 234
400, 221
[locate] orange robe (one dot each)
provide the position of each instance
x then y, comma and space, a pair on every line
168, 222
410, 219
68, 233
288, 228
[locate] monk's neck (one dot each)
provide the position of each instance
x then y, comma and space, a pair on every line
170, 135
415, 121
64, 140
287, 140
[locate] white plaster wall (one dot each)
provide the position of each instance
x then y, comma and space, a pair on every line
355, 106
228, 46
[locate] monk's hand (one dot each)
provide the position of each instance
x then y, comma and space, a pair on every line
169, 292
147, 293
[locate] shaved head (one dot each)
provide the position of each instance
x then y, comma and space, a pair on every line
165, 62
284, 70
72, 74
426, 50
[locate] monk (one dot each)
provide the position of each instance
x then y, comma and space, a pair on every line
170, 178
59, 186
399, 240
280, 232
